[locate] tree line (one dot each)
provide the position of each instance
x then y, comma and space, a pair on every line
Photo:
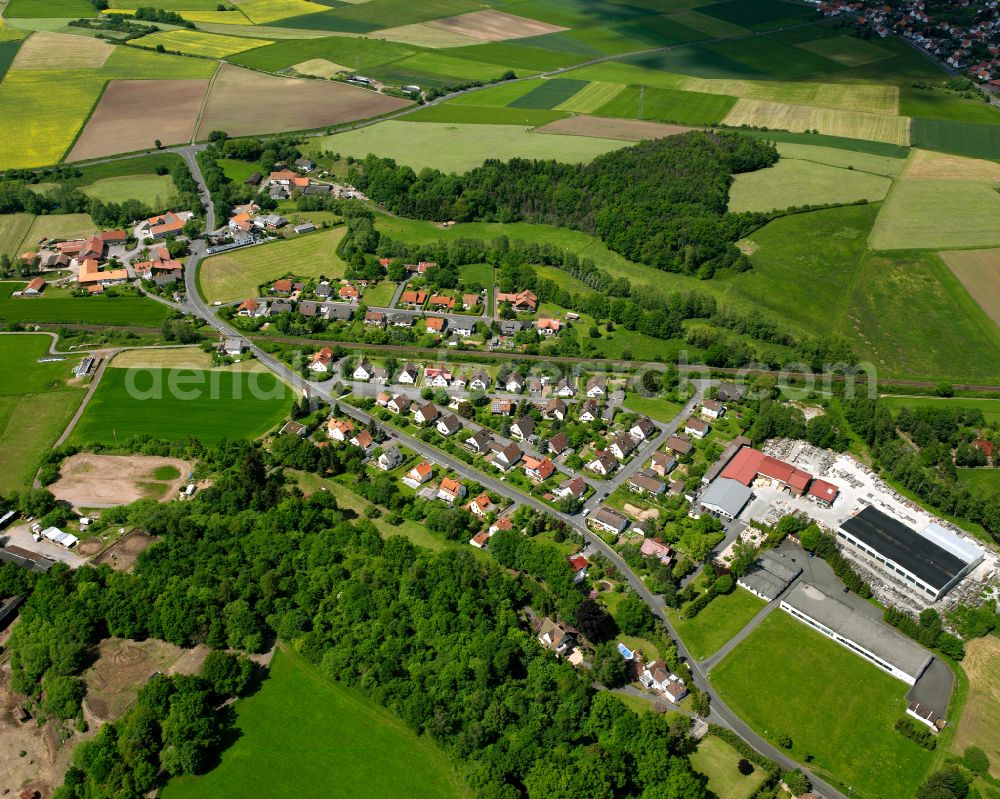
662, 202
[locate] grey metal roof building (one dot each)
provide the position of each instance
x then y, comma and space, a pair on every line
769, 576
725, 497
874, 641
931, 561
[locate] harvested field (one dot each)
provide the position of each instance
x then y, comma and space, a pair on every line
163, 358
873, 98
44, 50
122, 668
210, 45
847, 50
942, 166
133, 114
591, 97
493, 26
850, 124
282, 104
603, 128
978, 724
319, 68
979, 272
87, 480
423, 35
122, 554
939, 215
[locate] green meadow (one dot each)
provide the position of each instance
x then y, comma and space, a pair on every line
57, 305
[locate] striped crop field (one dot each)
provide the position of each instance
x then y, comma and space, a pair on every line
591, 97
871, 98
851, 124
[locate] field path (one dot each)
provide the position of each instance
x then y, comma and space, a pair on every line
86, 399
204, 101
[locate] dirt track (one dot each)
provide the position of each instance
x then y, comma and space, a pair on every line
102, 480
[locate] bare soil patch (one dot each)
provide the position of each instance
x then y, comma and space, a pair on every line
45, 50
122, 554
622, 129
133, 114
285, 104
123, 667
979, 272
639, 513
942, 166
89, 480
493, 26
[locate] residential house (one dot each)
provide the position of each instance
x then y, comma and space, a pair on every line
623, 446
469, 301
339, 429
662, 464
281, 306
522, 429
442, 301
507, 457
557, 445
604, 464
677, 487
408, 375
251, 309
90, 273
481, 539
463, 329
419, 474
399, 404
578, 565
413, 297
480, 381
401, 320
590, 411
696, 427
564, 388
364, 370
382, 399
450, 490
35, 287
375, 318
713, 409
305, 164
653, 548
514, 383
482, 506
321, 361
597, 387
730, 392
575, 487
293, 428
538, 469
426, 414
555, 636
438, 377
656, 677
233, 347
645, 482
502, 407
436, 324
449, 425
389, 459
500, 524
642, 429
334, 311
162, 226
348, 293
479, 442
363, 440
380, 375
555, 409
521, 301
548, 327
679, 446
608, 519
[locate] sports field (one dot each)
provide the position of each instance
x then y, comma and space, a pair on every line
725, 616
833, 704
977, 726
56, 305
793, 182
718, 761
851, 124
134, 114
153, 190
282, 104
183, 403
302, 734
938, 214
236, 275
209, 45
458, 147
979, 272
36, 404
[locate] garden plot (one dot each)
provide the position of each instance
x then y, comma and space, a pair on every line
134, 114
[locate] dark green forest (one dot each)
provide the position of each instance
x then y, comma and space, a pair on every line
661, 202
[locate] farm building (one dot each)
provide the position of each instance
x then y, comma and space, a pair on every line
875, 642
929, 562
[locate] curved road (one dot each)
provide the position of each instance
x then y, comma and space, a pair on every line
720, 712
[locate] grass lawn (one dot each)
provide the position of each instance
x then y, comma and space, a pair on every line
182, 403
476, 275
980, 479
786, 679
236, 275
36, 404
460, 147
718, 761
989, 407
304, 735
662, 410
236, 170
724, 617
380, 295
58, 226
57, 305
153, 190
793, 182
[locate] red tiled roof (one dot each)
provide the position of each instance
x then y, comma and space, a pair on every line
750, 462
821, 489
